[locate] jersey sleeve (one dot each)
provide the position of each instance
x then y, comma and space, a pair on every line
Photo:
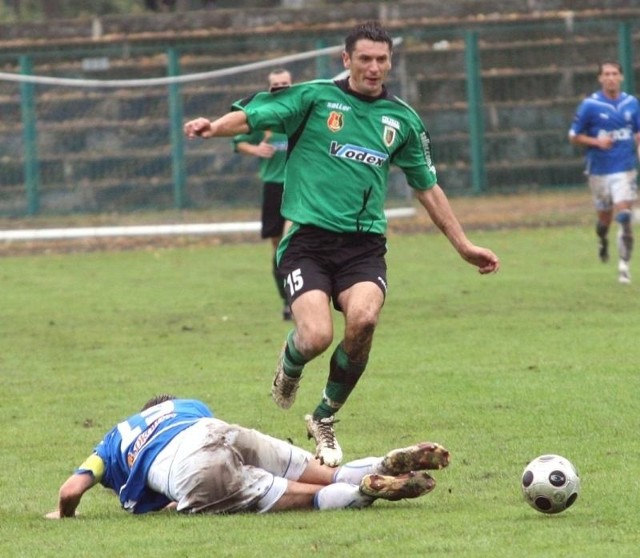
578, 125
279, 111
415, 159
93, 465
254, 138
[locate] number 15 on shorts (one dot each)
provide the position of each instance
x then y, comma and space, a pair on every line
294, 281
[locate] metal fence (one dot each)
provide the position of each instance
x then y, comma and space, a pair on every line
497, 100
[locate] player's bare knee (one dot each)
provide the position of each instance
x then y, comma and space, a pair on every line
364, 320
312, 342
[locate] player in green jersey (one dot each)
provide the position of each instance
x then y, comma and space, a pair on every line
343, 137
271, 148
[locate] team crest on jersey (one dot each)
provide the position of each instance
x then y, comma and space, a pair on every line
389, 135
335, 122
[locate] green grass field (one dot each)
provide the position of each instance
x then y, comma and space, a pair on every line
540, 358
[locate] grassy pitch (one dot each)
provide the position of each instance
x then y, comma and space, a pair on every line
540, 358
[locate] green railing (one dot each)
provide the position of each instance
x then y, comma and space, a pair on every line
497, 100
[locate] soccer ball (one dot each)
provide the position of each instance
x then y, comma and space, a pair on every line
550, 484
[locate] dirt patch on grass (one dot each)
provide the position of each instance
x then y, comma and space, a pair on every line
545, 209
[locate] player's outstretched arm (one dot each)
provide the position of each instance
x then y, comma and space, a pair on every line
437, 205
70, 495
230, 124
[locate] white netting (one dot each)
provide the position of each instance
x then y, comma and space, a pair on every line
114, 144
103, 145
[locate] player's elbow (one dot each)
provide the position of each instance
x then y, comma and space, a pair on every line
67, 492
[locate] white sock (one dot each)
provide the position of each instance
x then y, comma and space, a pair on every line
353, 471
340, 495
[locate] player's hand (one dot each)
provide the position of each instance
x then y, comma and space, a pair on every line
57, 515
484, 259
491, 266
200, 127
605, 142
170, 507
265, 150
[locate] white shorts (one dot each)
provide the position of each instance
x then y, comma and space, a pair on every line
611, 189
215, 467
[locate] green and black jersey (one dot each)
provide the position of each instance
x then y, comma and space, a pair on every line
272, 169
341, 145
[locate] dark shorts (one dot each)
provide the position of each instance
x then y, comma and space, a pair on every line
316, 259
272, 221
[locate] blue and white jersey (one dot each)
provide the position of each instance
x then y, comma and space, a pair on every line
130, 447
618, 118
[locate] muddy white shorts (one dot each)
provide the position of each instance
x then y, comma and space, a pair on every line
215, 467
610, 189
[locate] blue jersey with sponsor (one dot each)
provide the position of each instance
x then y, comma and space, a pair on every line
130, 447
619, 118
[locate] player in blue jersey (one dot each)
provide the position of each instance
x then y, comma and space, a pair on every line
344, 136
607, 124
175, 454
271, 148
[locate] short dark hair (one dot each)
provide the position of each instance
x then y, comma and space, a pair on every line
156, 400
614, 63
278, 71
371, 30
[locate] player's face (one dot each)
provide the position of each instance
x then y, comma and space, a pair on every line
610, 79
279, 80
369, 64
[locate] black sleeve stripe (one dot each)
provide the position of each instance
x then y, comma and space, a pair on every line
293, 140
242, 102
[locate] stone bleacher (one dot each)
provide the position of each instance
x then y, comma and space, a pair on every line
537, 62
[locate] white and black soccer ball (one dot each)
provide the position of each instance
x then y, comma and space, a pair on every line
550, 484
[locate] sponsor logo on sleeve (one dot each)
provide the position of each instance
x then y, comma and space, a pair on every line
426, 148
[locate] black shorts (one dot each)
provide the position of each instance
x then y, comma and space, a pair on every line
332, 262
272, 221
